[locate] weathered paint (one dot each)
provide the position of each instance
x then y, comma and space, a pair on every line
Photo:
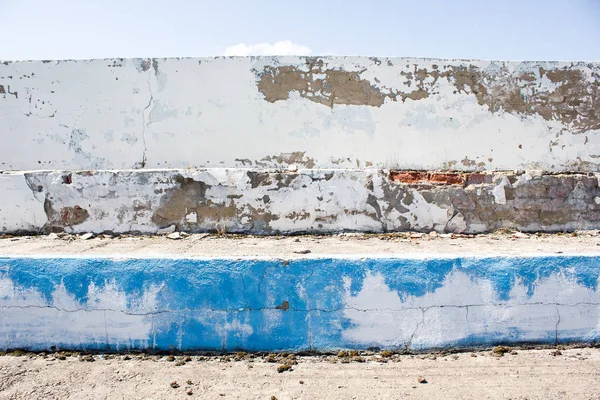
324, 112
301, 304
270, 202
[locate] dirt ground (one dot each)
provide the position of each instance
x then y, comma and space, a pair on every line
306, 246
499, 373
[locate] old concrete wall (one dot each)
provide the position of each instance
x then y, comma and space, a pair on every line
238, 200
326, 112
293, 144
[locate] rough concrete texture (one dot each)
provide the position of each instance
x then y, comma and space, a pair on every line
547, 374
311, 112
270, 202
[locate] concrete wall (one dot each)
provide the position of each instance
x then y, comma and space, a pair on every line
326, 112
319, 304
293, 144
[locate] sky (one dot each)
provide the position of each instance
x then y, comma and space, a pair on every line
479, 29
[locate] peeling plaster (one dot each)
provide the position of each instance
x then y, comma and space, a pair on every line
273, 202
339, 112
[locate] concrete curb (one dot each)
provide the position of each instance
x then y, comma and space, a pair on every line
325, 303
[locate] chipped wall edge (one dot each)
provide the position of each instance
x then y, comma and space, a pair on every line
303, 201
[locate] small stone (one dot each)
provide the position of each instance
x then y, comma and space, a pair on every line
189, 392
421, 379
171, 358
52, 236
189, 382
86, 236
174, 236
284, 367
416, 235
174, 384
301, 382
386, 353
292, 168
302, 251
556, 353
433, 234
520, 235
499, 351
164, 231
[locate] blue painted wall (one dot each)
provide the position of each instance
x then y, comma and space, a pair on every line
229, 304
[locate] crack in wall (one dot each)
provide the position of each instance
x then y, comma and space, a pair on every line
317, 309
557, 323
417, 327
144, 119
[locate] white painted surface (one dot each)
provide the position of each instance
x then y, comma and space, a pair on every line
180, 113
107, 317
465, 307
21, 206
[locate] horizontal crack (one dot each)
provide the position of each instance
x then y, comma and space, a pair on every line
241, 309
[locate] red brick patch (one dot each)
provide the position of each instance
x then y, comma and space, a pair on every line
436, 178
407, 176
446, 178
449, 178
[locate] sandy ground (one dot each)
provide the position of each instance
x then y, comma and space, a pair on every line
204, 245
519, 374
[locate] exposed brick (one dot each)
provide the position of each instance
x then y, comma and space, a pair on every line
478, 178
446, 178
559, 191
407, 176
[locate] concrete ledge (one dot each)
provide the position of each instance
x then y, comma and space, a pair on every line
273, 202
305, 302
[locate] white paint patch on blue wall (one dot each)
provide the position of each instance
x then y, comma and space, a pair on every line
108, 315
465, 307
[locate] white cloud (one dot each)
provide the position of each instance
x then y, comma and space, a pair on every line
281, 48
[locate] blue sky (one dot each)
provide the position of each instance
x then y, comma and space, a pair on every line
484, 29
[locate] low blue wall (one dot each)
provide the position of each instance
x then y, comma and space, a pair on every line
303, 304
